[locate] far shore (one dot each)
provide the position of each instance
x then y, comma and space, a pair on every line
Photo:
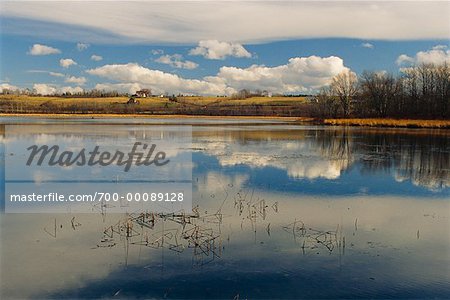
368, 122
153, 116
279, 109
378, 122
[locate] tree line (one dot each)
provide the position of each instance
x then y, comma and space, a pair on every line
421, 91
94, 93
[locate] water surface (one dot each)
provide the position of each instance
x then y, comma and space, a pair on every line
280, 211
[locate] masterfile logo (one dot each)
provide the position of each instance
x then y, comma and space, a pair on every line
53, 156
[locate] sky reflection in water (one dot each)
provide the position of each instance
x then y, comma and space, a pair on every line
283, 211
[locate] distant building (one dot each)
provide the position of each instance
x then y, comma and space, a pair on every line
266, 94
144, 93
132, 100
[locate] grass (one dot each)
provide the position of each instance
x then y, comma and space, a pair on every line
389, 123
259, 106
152, 101
297, 108
250, 101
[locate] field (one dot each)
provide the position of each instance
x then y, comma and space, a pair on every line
255, 106
297, 108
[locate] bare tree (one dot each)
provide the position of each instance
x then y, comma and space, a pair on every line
443, 89
242, 94
379, 91
345, 87
326, 105
427, 90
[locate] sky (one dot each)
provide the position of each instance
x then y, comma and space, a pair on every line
212, 47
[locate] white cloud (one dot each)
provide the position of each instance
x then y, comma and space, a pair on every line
300, 74
44, 89
157, 51
77, 80
436, 55
69, 89
404, 59
7, 86
439, 47
82, 46
367, 45
95, 57
48, 89
158, 81
433, 56
176, 61
66, 62
213, 49
236, 21
56, 74
38, 49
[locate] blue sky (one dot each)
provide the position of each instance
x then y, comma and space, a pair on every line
168, 51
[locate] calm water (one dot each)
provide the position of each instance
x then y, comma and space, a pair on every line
282, 211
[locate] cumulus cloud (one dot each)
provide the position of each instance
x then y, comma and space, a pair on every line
157, 51
44, 89
367, 45
67, 62
300, 74
176, 61
77, 80
95, 57
437, 55
434, 56
440, 47
38, 49
71, 90
49, 89
213, 49
159, 81
82, 46
404, 59
7, 86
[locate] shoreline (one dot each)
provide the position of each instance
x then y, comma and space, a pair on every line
356, 122
388, 122
154, 116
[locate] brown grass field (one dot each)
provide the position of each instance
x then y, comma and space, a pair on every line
287, 108
222, 106
389, 123
151, 101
